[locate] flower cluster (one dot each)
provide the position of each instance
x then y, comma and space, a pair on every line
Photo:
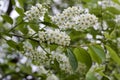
76, 18
54, 36
63, 60
35, 12
85, 21
40, 58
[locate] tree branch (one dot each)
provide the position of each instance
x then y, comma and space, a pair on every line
9, 7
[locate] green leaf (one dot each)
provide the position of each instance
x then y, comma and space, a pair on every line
83, 56
34, 27
108, 15
117, 76
105, 77
50, 24
47, 18
52, 47
97, 53
113, 55
111, 24
8, 19
21, 2
72, 59
48, 21
55, 65
12, 44
25, 68
23, 28
90, 76
75, 35
86, 1
19, 20
33, 43
20, 11
113, 10
71, 77
16, 46
116, 1
20, 46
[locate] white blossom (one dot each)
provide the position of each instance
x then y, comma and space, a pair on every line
35, 12
62, 60
85, 21
52, 77
76, 18
54, 36
42, 70
41, 59
41, 36
38, 57
117, 19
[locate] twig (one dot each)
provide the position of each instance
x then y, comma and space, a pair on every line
32, 40
14, 27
